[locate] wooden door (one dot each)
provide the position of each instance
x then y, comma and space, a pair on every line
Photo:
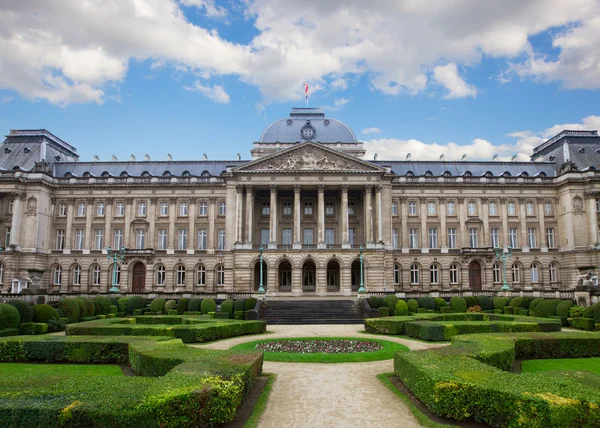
139, 278
475, 276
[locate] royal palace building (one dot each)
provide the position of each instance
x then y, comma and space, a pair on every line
312, 202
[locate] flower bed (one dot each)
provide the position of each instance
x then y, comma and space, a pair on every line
335, 346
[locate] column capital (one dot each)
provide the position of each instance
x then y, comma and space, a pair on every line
297, 188
503, 200
172, 200
321, 188
89, 201
22, 196
249, 188
442, 200
153, 201
239, 188
460, 199
521, 200
212, 200
345, 188
129, 201
110, 201
422, 199
273, 188
485, 200
53, 200
377, 188
368, 188
402, 199
71, 201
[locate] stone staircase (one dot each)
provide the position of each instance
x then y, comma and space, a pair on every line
342, 311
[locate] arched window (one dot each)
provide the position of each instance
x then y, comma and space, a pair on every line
186, 174
333, 275
180, 275
87, 174
553, 272
124, 174
415, 274
115, 276
535, 272
167, 174
308, 275
516, 273
96, 275
76, 275
453, 273
1, 273
145, 174
200, 275
68, 175
285, 275
434, 274
397, 274
497, 273
57, 275
105, 174
220, 270
161, 275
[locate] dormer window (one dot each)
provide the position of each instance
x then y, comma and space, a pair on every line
68, 175
551, 158
581, 150
7, 150
27, 150
57, 158
124, 174
86, 175
167, 174
145, 174
186, 174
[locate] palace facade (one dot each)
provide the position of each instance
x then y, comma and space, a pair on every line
313, 203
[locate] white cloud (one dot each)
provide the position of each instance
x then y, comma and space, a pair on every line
339, 85
215, 93
368, 131
209, 7
338, 103
447, 76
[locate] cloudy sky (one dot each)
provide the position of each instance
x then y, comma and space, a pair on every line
188, 77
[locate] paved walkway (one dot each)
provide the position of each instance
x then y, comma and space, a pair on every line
329, 395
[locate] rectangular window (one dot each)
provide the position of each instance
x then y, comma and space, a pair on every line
164, 209
202, 245
98, 239
62, 209
162, 239
531, 237
395, 240
120, 209
141, 210
394, 208
452, 238
60, 239
431, 208
222, 209
308, 237
286, 237
182, 239
11, 205
472, 208
266, 208
412, 208
529, 209
221, 239
287, 208
598, 205
512, 237
307, 208
203, 208
433, 237
511, 209
493, 208
100, 209
140, 239
413, 238
7, 236
183, 209
79, 239
118, 239
450, 209
352, 236
351, 210
473, 237
550, 237
548, 208
265, 236
329, 208
81, 209
495, 237
330, 236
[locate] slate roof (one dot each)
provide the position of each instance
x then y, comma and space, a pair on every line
580, 147
154, 168
22, 148
476, 168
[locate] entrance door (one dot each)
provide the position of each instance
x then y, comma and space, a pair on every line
139, 278
475, 276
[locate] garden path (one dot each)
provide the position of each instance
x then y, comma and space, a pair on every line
329, 395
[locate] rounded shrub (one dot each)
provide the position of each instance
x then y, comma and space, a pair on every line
82, 307
486, 303
526, 302
158, 305
384, 311
547, 308
458, 304
239, 305
97, 309
471, 301
592, 312
114, 301
208, 305
194, 305
60, 313
135, 302
597, 312
90, 308
44, 313
401, 308
104, 303
439, 303
516, 302
499, 302
390, 302
373, 302
413, 305
227, 307
535, 302
25, 311
426, 302
9, 316
562, 309
381, 302
182, 305
170, 305
70, 308
250, 303
112, 309
122, 304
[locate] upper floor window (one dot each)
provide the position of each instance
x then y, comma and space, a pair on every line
183, 209
81, 209
222, 208
529, 209
221, 239
394, 208
266, 208
308, 208
164, 209
472, 208
493, 208
412, 207
351, 208
62, 209
203, 208
100, 209
11, 204
548, 208
120, 209
511, 209
431, 208
450, 208
329, 208
141, 209
287, 208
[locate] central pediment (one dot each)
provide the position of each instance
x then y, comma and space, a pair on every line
309, 157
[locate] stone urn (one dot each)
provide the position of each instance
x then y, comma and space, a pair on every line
35, 275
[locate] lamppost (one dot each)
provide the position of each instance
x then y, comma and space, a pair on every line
503, 256
115, 257
361, 289
261, 289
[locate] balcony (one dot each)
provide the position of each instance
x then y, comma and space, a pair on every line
140, 252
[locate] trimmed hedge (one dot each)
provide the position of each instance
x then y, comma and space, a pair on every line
227, 307
170, 305
562, 309
500, 303
44, 313
239, 305
90, 307
439, 303
70, 309
25, 310
384, 311
82, 307
535, 302
104, 303
401, 308
158, 305
250, 303
135, 302
546, 308
426, 302
471, 301
458, 304
194, 305
29, 328
584, 323
413, 305
113, 310
391, 301
208, 305
122, 305
9, 316
486, 303
516, 302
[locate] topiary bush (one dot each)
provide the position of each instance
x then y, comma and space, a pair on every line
546, 308
500, 303
372, 302
227, 307
104, 303
170, 305
486, 303
82, 307
208, 305
113, 310
439, 303
43, 313
239, 305
384, 311
390, 302
471, 301
401, 308
9, 316
413, 305
90, 307
158, 305
426, 302
182, 305
535, 302
122, 305
458, 304
25, 311
515, 302
592, 312
576, 312
381, 302
250, 303
70, 309
135, 302
526, 302
562, 309
194, 305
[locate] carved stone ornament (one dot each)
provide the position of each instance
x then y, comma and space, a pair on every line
31, 208
42, 166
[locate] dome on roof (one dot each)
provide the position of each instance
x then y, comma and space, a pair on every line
307, 124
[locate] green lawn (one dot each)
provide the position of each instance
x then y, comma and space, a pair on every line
560, 364
387, 353
61, 369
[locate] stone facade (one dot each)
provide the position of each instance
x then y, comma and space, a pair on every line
313, 206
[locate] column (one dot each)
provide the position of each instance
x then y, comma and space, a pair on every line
378, 214
192, 226
321, 216
239, 213
486, 222
423, 215
504, 217
17, 218
463, 237
212, 201
542, 222
368, 214
273, 217
443, 243
151, 243
89, 208
171, 238
108, 222
523, 220
404, 212
592, 219
297, 217
127, 228
249, 212
345, 243
69, 231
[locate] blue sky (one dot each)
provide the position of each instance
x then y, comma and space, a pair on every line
201, 76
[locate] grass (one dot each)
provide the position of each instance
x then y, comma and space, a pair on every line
61, 369
261, 404
387, 353
591, 365
423, 419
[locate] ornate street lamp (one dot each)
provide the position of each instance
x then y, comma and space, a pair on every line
503, 256
116, 257
261, 289
361, 289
